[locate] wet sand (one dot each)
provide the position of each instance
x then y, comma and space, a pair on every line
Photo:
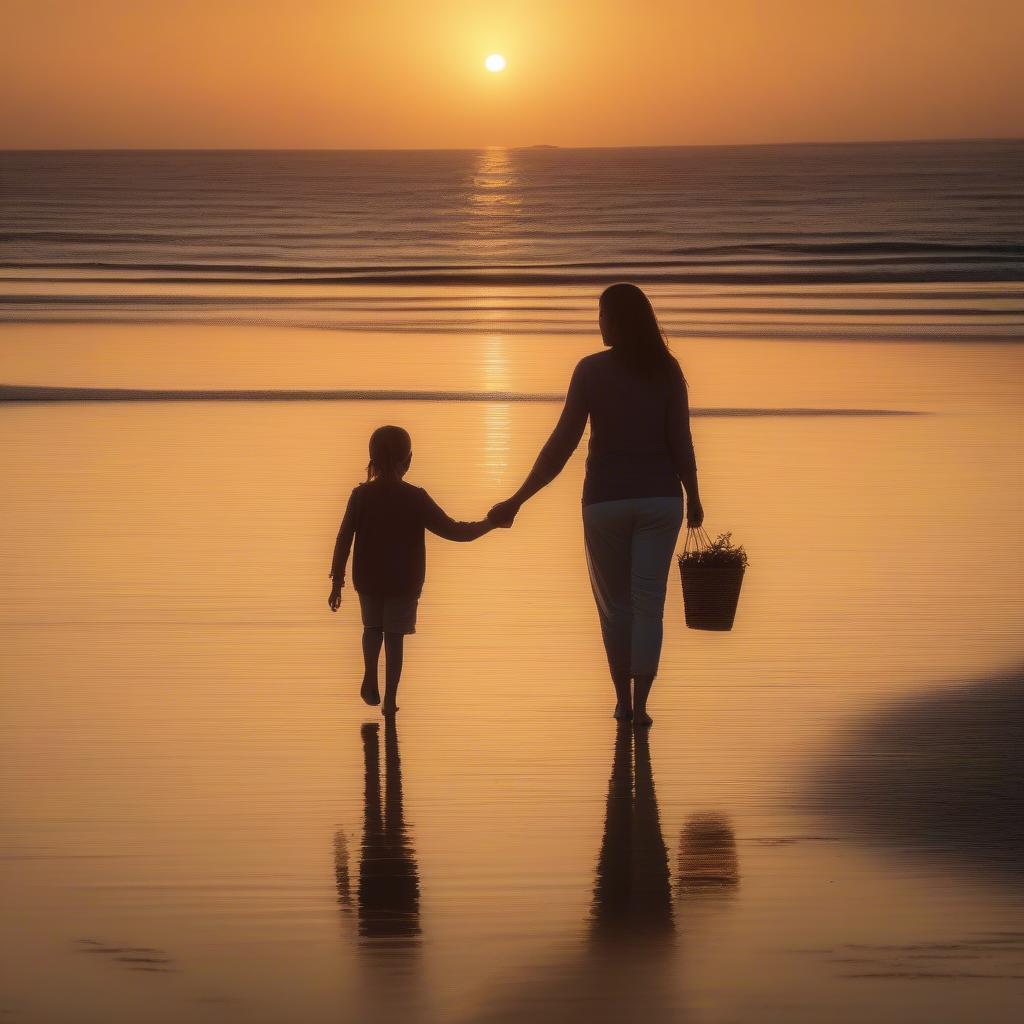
198, 825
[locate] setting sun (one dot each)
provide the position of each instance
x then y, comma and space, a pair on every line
495, 62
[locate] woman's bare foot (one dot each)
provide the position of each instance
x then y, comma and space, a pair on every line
622, 714
370, 692
641, 688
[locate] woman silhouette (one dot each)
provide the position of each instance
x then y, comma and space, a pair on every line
640, 451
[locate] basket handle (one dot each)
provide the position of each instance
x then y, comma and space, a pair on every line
699, 538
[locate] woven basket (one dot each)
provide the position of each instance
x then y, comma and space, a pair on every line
711, 592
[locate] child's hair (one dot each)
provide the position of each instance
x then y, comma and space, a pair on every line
390, 451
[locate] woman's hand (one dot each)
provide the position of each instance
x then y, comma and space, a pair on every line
334, 601
504, 513
694, 513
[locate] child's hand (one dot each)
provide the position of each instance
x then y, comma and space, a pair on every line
503, 514
334, 601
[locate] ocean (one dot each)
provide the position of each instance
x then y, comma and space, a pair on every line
200, 821
908, 240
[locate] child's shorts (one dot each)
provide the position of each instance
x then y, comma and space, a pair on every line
391, 614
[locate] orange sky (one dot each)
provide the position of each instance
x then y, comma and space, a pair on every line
409, 73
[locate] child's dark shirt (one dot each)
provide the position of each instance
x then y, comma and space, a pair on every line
388, 520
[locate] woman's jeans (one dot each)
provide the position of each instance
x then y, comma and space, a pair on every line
629, 550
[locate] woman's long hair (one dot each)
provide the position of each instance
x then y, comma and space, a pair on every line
390, 452
632, 331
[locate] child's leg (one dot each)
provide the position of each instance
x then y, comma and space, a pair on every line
370, 690
393, 650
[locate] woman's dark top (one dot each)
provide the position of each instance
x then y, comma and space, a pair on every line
640, 443
388, 518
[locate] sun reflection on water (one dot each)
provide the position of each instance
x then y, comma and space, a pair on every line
495, 186
494, 201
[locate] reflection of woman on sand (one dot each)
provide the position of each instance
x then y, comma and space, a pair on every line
628, 969
632, 895
632, 891
640, 451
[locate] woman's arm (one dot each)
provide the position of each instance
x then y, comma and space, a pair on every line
554, 455
680, 442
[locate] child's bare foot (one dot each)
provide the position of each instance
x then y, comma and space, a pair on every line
388, 709
622, 714
642, 718
370, 693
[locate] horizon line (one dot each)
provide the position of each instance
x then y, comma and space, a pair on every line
914, 140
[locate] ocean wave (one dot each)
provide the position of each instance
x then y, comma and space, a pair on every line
867, 272
952, 331
995, 249
903, 219
516, 313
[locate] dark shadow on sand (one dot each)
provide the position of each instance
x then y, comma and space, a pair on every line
12, 393
940, 774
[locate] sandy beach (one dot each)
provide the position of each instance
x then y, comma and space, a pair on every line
186, 815
600, 271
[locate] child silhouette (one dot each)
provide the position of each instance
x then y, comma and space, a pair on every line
386, 518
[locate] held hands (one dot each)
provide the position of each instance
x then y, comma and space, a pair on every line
503, 514
334, 601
